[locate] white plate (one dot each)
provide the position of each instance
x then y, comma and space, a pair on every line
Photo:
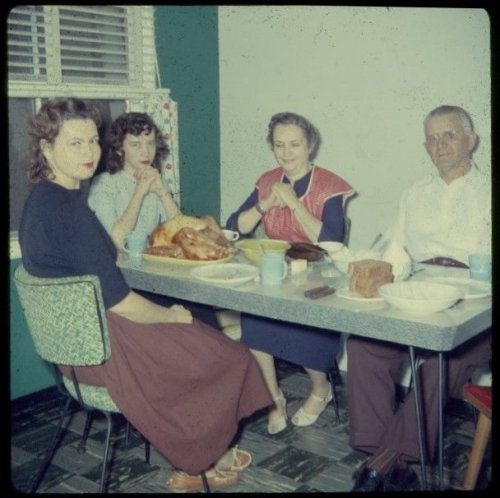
186, 262
346, 293
229, 273
472, 289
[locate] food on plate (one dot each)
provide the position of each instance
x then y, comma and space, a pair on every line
305, 250
188, 237
367, 275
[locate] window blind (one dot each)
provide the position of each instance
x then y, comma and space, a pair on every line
75, 44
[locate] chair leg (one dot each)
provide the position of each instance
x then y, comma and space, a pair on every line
332, 375
106, 451
481, 437
205, 482
86, 430
127, 433
52, 449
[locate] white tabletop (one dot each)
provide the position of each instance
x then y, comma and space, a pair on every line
441, 331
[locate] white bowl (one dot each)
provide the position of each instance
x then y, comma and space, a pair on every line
331, 247
253, 248
420, 297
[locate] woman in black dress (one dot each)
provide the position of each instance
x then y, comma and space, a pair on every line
182, 384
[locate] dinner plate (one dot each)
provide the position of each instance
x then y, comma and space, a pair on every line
472, 289
182, 261
229, 274
346, 293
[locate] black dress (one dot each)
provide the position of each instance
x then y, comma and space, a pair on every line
185, 387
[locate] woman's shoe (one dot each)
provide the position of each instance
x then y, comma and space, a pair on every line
303, 419
180, 482
241, 460
279, 424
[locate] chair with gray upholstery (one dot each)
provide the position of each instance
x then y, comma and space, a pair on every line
67, 321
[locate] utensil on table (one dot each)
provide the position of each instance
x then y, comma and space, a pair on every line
377, 238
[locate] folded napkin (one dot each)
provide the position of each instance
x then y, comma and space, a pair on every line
399, 259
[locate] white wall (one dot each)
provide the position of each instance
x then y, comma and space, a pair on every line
365, 76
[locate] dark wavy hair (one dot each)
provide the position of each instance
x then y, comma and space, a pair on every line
46, 125
287, 118
133, 123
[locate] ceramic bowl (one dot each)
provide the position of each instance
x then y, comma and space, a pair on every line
253, 248
420, 297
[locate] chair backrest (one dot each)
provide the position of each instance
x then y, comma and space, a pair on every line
66, 317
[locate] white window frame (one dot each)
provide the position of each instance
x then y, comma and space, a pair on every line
140, 95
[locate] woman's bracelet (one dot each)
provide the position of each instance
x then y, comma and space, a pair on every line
259, 209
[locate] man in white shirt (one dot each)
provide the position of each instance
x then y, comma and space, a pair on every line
443, 217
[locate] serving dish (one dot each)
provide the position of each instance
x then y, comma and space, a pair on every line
253, 248
420, 297
181, 261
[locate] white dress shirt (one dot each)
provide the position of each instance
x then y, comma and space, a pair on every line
439, 219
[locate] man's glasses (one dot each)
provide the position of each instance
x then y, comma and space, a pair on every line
445, 137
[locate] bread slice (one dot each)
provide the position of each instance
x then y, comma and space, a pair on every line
367, 275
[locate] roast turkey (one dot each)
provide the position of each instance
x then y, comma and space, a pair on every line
188, 237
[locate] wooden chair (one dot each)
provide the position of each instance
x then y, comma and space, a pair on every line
480, 398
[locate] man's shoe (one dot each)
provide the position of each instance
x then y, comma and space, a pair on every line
401, 479
180, 482
368, 480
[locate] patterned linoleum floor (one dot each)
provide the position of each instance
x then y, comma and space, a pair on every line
311, 459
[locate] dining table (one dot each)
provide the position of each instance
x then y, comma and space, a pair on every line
338, 311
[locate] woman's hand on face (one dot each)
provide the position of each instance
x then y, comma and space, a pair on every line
180, 314
285, 194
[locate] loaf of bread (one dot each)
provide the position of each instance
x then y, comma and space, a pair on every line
367, 275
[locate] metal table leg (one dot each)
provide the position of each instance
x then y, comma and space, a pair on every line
418, 411
442, 387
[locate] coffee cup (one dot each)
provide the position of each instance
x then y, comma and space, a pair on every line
480, 266
135, 242
231, 235
273, 268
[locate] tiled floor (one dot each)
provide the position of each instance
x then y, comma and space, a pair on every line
311, 459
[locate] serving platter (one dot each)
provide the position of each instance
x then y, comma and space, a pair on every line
229, 274
186, 262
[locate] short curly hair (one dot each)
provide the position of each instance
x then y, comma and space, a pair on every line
311, 133
46, 125
133, 123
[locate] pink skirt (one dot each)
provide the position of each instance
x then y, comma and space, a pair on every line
185, 387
